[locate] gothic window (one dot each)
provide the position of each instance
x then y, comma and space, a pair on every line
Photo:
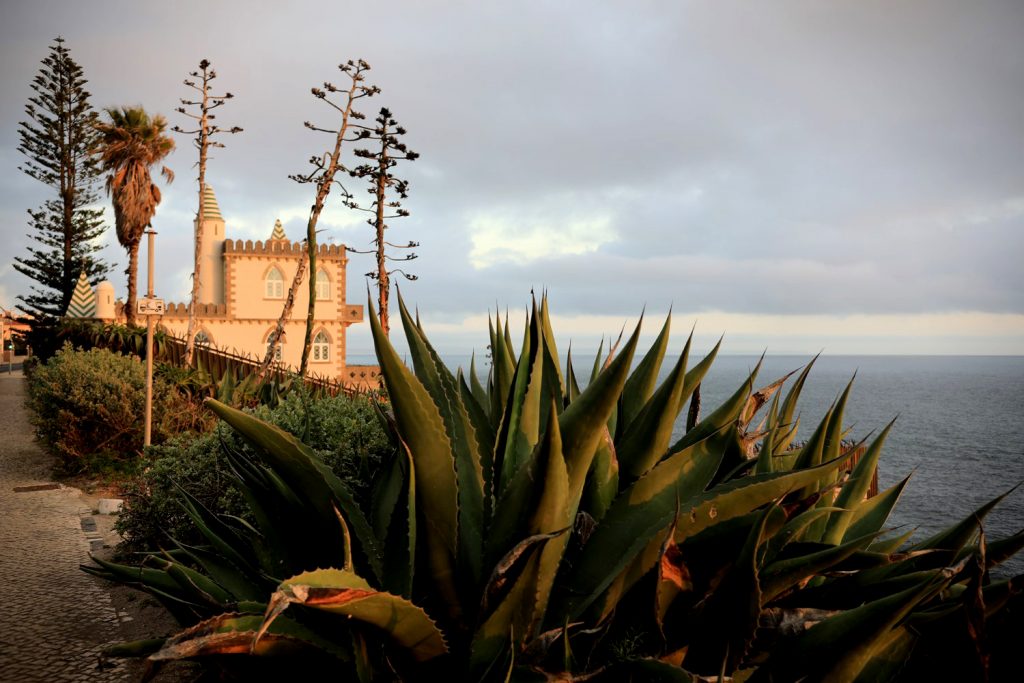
274, 284
321, 347
323, 285
203, 339
277, 347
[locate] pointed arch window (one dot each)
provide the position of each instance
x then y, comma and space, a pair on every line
203, 339
277, 347
274, 284
323, 285
321, 347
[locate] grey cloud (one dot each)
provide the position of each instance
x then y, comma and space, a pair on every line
792, 157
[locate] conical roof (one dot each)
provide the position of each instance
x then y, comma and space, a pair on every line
83, 301
210, 208
278, 233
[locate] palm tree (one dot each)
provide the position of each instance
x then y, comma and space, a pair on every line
130, 144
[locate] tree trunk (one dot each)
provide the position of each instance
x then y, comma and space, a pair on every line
286, 313
383, 281
323, 188
204, 122
190, 333
132, 272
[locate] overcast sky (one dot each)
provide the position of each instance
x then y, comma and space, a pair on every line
798, 175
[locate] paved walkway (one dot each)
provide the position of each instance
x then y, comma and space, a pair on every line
54, 618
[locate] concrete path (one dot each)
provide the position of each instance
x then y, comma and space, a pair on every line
54, 618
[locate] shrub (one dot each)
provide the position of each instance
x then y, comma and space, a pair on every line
343, 431
88, 409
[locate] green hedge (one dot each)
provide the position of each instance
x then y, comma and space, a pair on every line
343, 431
88, 410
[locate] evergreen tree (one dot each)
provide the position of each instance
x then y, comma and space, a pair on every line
57, 139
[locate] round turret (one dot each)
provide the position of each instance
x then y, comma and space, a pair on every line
105, 300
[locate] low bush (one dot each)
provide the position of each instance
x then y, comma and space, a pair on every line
88, 410
343, 431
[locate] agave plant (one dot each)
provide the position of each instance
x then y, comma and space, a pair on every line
531, 529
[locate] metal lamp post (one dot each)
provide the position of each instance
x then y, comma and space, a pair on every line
148, 433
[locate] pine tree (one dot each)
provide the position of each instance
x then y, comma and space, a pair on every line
57, 139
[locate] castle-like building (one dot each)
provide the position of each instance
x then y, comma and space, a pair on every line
242, 290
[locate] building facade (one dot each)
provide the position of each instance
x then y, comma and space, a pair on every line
243, 287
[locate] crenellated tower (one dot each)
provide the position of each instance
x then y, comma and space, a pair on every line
211, 280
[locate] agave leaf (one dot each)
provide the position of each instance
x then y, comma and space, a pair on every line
834, 433
960, 534
441, 386
673, 577
268, 508
234, 633
1004, 548
498, 635
509, 347
764, 456
141, 576
725, 414
891, 545
789, 407
838, 648
528, 495
596, 369
781, 575
197, 587
303, 471
581, 424
226, 387
640, 385
235, 580
646, 438
870, 515
602, 483
572, 386
521, 423
724, 622
792, 530
551, 516
341, 592
550, 349
758, 398
855, 490
740, 496
891, 656
387, 494
135, 648
812, 452
479, 393
502, 369
422, 428
635, 518
221, 536
485, 439
696, 375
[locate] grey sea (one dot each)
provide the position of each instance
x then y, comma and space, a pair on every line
959, 432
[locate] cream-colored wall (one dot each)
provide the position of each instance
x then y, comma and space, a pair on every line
249, 337
247, 295
243, 324
211, 263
